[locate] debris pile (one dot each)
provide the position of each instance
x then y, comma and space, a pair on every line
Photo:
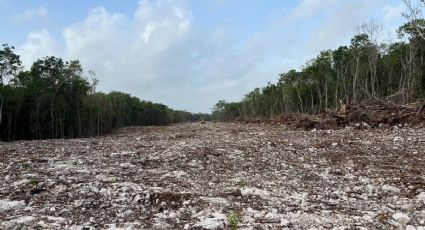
217, 176
363, 115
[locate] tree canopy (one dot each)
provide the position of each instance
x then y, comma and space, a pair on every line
54, 99
362, 70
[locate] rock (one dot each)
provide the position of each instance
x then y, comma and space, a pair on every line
421, 197
365, 125
396, 224
254, 192
389, 188
42, 225
368, 218
307, 220
267, 177
215, 200
20, 182
17, 222
410, 227
397, 140
58, 220
7, 205
179, 174
128, 212
59, 188
214, 221
312, 149
136, 199
340, 228
105, 178
272, 216
284, 222
401, 218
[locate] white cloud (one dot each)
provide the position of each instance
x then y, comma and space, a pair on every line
39, 13
39, 44
158, 54
135, 55
98, 38
340, 22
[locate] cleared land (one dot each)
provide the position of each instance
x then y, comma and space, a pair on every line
203, 176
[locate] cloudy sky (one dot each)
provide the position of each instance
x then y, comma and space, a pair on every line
187, 54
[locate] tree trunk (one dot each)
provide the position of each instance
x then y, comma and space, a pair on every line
356, 73
52, 117
80, 133
1, 108
9, 127
326, 92
299, 98
38, 133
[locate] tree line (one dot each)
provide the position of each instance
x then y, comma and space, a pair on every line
365, 69
54, 99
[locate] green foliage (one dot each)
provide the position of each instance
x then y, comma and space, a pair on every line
233, 220
26, 165
412, 29
9, 63
54, 99
363, 70
34, 182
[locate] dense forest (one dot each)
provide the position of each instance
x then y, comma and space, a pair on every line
54, 99
367, 69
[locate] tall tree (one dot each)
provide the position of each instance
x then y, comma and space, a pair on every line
9, 67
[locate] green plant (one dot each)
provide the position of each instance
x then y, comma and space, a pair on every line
242, 183
26, 165
34, 182
233, 220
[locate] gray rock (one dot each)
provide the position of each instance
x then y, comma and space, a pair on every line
7, 205
401, 218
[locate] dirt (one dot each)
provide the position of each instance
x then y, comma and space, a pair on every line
207, 176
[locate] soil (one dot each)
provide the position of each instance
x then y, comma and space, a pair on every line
214, 175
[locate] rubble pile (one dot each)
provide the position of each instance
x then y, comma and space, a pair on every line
365, 114
217, 176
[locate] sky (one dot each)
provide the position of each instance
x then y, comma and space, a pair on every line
188, 54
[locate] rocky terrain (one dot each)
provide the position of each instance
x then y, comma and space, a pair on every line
217, 176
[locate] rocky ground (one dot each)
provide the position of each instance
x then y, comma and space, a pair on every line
217, 176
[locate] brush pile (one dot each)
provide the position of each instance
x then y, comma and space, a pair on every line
363, 115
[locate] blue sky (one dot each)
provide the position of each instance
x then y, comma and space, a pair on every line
188, 54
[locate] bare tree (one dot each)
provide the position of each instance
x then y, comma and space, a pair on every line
374, 30
414, 14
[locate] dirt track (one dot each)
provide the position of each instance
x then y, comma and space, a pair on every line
193, 176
